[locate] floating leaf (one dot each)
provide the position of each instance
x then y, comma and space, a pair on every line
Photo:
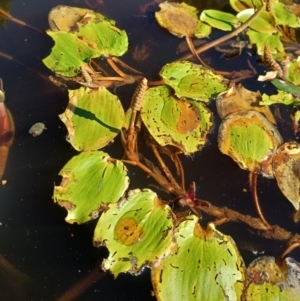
264, 23
65, 18
69, 54
171, 121
94, 35
237, 98
90, 181
250, 140
281, 97
93, 118
136, 232
193, 81
283, 16
109, 39
219, 19
205, 266
262, 39
293, 72
239, 5
267, 282
181, 20
286, 167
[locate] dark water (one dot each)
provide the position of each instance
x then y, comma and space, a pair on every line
34, 237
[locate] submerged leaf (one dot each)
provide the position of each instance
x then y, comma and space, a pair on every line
181, 20
93, 118
193, 81
286, 166
136, 232
205, 266
172, 121
90, 181
250, 140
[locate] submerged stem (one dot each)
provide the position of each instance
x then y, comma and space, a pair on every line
253, 187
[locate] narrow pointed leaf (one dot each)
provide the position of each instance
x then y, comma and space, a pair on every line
220, 20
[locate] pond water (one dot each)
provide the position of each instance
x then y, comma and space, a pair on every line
50, 255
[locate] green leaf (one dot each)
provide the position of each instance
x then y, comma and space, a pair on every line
171, 121
193, 81
262, 39
90, 181
250, 140
181, 20
282, 98
205, 266
93, 118
283, 16
105, 35
220, 20
293, 72
287, 87
69, 54
136, 232
264, 23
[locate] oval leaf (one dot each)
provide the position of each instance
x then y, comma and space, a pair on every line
250, 140
136, 232
204, 261
172, 121
181, 20
193, 81
90, 181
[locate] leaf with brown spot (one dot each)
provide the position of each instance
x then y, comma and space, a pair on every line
286, 166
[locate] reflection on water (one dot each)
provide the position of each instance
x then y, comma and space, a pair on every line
38, 248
